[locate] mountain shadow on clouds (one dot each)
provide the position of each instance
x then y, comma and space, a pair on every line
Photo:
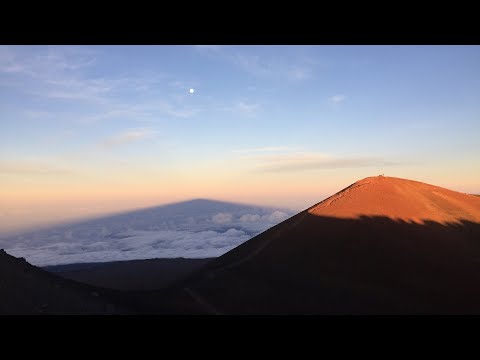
191, 229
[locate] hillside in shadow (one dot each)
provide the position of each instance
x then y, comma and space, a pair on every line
313, 264
29, 290
149, 274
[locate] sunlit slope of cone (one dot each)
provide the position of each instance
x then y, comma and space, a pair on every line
402, 199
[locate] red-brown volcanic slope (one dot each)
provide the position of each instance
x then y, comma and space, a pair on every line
403, 199
381, 246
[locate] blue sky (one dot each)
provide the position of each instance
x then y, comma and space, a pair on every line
94, 129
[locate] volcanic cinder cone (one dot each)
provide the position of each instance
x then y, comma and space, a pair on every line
383, 245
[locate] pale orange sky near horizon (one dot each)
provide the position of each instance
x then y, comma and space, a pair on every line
50, 200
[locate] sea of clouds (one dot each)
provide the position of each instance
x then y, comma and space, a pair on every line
192, 229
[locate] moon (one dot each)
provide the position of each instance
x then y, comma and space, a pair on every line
192, 91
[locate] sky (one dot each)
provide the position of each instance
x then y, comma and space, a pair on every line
89, 130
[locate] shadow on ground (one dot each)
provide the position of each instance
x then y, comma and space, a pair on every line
322, 265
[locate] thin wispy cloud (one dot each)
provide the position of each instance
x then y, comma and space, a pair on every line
273, 68
113, 112
30, 168
264, 149
243, 108
57, 137
300, 73
302, 161
246, 108
55, 72
145, 81
7, 60
61, 73
131, 112
76, 89
208, 47
129, 136
44, 63
184, 85
337, 99
293, 69
253, 65
178, 84
181, 111
37, 114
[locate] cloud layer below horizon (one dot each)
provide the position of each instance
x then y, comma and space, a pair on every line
199, 229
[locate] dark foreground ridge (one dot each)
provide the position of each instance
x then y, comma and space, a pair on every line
26, 289
149, 274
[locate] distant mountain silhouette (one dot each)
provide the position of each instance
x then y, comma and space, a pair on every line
381, 246
149, 216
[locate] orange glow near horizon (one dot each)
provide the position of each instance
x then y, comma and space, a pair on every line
39, 201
